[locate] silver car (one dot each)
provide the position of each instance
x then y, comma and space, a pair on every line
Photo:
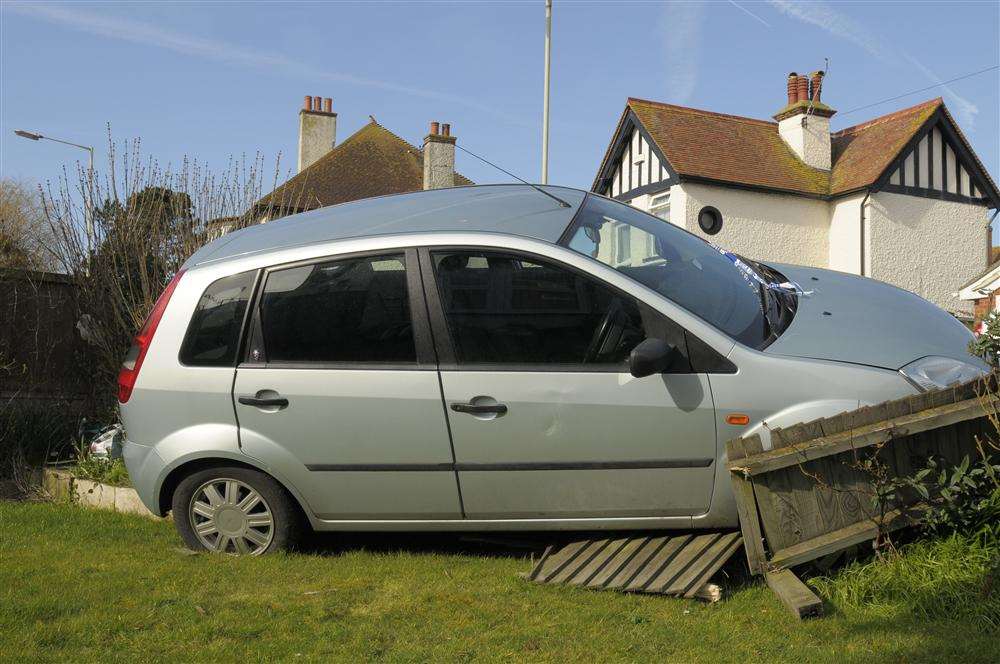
492, 358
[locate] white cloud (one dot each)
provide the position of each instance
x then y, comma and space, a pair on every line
147, 34
825, 17
681, 29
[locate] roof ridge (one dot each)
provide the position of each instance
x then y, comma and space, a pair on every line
889, 116
701, 111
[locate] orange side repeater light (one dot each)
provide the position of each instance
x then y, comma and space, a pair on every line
739, 419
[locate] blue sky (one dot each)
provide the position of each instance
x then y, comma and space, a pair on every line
210, 80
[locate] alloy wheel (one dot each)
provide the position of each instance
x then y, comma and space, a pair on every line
230, 516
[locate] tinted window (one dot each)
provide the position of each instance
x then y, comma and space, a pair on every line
675, 263
214, 332
353, 310
504, 309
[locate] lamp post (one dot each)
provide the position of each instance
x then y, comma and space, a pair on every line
88, 204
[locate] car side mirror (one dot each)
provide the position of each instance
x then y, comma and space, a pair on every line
650, 357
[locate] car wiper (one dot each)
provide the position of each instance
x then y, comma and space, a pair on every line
765, 307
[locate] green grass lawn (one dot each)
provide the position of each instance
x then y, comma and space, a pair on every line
85, 585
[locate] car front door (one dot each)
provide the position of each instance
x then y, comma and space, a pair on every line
546, 420
339, 390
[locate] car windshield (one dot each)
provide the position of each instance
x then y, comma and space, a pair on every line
676, 264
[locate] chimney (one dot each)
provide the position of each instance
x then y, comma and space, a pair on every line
804, 123
439, 157
317, 129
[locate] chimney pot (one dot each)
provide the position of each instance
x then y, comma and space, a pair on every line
317, 102
793, 95
328, 105
435, 128
308, 103
446, 129
802, 88
816, 85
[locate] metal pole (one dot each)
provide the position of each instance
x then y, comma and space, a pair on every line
89, 195
545, 103
89, 210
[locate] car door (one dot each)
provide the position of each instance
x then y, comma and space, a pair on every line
546, 420
339, 390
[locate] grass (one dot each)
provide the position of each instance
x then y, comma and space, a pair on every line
954, 577
88, 585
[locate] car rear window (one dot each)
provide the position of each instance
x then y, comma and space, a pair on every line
213, 336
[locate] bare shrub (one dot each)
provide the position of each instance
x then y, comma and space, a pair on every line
147, 220
23, 231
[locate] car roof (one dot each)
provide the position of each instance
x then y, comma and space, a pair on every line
514, 209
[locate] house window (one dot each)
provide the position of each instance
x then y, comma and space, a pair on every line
659, 206
623, 244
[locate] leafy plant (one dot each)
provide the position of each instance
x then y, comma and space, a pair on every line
987, 344
98, 469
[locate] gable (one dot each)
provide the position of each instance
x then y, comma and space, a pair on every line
634, 165
938, 163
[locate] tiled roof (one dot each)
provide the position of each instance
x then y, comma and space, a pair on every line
750, 152
727, 148
371, 162
863, 152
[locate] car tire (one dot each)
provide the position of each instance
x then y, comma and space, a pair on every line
236, 510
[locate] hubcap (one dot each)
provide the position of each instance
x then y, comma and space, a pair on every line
229, 516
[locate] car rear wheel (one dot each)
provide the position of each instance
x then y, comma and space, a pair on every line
234, 510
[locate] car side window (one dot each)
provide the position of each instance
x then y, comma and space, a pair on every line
213, 334
349, 310
509, 309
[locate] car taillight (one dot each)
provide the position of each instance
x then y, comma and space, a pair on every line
140, 344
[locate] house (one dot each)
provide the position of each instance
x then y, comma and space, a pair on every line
983, 291
902, 198
373, 161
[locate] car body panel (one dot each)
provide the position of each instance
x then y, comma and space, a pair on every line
510, 464
340, 422
509, 209
863, 321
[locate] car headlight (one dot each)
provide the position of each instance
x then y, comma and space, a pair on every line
934, 373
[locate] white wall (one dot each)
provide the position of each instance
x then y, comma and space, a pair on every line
927, 246
809, 137
772, 227
845, 234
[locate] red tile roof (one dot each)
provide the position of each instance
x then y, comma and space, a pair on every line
745, 151
371, 162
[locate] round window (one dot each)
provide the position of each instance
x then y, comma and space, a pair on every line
710, 220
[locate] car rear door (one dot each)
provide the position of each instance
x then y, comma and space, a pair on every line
546, 420
339, 389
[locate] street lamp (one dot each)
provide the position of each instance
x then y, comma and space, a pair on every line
88, 218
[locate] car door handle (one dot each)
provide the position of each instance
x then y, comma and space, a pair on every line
262, 402
480, 409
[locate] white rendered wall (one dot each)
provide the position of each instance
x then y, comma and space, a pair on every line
845, 234
927, 246
809, 138
770, 227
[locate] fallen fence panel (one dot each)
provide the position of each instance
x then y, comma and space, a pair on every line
814, 492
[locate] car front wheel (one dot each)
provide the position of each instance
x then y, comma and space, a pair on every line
234, 510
